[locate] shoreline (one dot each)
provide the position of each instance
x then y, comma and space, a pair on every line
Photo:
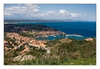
54, 32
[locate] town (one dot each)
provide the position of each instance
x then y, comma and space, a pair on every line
21, 41
23, 36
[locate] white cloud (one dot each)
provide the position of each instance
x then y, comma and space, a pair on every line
50, 12
31, 10
32, 6
41, 15
85, 15
45, 14
76, 15
34, 10
63, 11
7, 13
21, 9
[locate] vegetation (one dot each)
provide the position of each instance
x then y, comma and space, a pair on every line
62, 51
76, 52
9, 39
27, 27
26, 34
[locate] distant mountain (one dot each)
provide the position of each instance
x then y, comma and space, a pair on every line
41, 20
20, 18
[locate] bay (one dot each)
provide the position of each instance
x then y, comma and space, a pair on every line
85, 29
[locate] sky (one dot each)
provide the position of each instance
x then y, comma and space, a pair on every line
50, 11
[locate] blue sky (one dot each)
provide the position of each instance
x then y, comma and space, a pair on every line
50, 11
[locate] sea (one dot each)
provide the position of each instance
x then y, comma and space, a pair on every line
82, 29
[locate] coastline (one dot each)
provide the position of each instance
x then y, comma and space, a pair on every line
30, 41
66, 32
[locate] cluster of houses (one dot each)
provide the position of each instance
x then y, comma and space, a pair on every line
22, 42
26, 42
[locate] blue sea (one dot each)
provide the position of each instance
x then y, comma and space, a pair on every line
85, 29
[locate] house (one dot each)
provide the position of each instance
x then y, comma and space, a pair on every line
89, 39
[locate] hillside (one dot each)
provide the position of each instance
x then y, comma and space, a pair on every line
21, 47
70, 52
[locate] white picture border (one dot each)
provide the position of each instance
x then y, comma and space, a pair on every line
2, 2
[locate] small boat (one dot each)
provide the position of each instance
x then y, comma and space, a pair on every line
54, 36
